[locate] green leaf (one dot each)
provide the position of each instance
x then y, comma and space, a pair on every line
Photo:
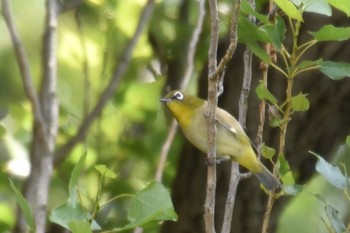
348, 140
284, 165
315, 6
300, 103
292, 189
73, 181
275, 32
335, 70
67, 213
289, 8
288, 178
331, 33
248, 9
267, 152
331, 173
25, 207
333, 217
249, 34
248, 30
306, 64
342, 5
105, 171
264, 94
152, 204
79, 227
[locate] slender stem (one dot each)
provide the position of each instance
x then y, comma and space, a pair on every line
243, 109
305, 47
306, 69
279, 69
165, 150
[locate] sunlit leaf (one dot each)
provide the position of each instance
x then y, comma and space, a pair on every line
331, 173
79, 227
25, 207
151, 205
331, 33
264, 94
300, 103
267, 152
342, 5
284, 165
335, 70
105, 171
288, 178
290, 9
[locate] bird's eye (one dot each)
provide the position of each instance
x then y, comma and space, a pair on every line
178, 95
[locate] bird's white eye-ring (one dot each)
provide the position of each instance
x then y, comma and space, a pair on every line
178, 95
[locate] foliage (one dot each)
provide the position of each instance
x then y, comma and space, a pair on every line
149, 206
338, 180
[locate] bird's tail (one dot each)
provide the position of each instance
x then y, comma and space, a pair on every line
268, 179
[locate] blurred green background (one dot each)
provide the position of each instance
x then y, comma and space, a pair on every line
129, 134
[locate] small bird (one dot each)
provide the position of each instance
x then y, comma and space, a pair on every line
231, 140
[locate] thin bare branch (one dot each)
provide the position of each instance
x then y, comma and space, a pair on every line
243, 109
233, 41
213, 78
165, 150
183, 85
108, 92
24, 67
193, 44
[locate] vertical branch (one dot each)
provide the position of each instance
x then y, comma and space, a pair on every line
187, 77
243, 107
213, 77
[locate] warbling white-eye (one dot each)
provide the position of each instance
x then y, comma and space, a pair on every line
231, 140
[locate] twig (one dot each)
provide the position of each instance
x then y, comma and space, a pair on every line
233, 42
165, 150
108, 92
193, 44
186, 78
243, 108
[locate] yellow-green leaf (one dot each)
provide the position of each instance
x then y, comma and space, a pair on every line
267, 152
105, 171
300, 103
264, 94
290, 9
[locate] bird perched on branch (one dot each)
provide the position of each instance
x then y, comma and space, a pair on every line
231, 140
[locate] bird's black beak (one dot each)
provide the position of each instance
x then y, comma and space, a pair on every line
164, 100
